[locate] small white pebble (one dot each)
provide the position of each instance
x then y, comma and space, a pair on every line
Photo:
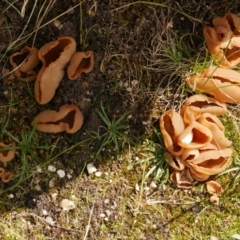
61, 173
146, 189
51, 168
215, 238
106, 219
44, 212
153, 185
69, 176
134, 83
106, 201
98, 174
108, 212
49, 220
91, 168
11, 195
102, 215
67, 205
37, 187
51, 183
137, 187
57, 24
39, 170
54, 196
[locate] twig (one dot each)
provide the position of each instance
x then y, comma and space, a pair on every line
89, 220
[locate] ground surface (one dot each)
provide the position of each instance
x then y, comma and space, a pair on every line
141, 52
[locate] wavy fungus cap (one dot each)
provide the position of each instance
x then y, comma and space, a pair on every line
221, 83
194, 136
6, 155
23, 63
55, 56
172, 125
198, 104
216, 127
69, 118
214, 188
80, 62
211, 162
182, 179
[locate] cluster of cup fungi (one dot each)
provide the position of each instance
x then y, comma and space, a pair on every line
56, 57
196, 146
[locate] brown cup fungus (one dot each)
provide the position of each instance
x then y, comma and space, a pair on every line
55, 56
6, 155
214, 124
23, 63
182, 179
174, 161
221, 83
215, 190
223, 40
211, 162
172, 125
80, 62
69, 118
195, 135
197, 104
189, 155
6, 176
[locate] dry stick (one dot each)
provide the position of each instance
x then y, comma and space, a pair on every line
53, 225
90, 218
80, 22
34, 6
159, 5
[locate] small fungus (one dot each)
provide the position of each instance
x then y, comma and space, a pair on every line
6, 176
80, 62
182, 179
69, 118
214, 200
6, 155
23, 63
214, 188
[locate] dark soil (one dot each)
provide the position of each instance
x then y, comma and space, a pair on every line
122, 39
